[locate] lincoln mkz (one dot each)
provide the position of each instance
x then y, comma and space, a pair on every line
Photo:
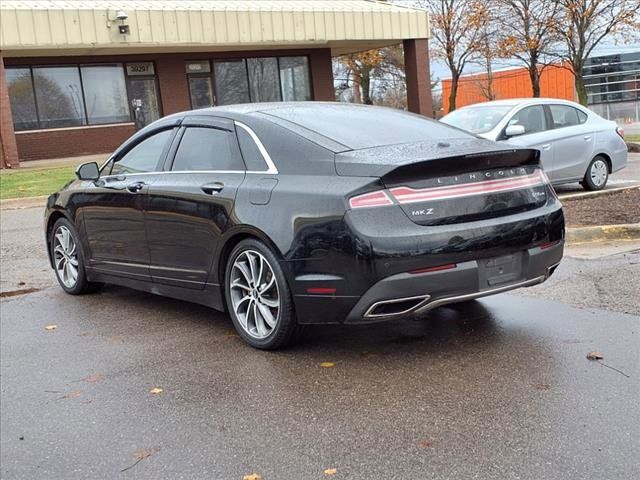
303, 213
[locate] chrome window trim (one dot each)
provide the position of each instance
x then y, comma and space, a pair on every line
263, 151
271, 168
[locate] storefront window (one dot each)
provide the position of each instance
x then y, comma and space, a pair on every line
23, 103
263, 79
201, 91
105, 93
59, 97
294, 78
231, 82
67, 96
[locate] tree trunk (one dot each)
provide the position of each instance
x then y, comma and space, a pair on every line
581, 89
357, 98
365, 81
534, 75
454, 91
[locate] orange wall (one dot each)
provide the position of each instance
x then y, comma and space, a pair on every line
555, 82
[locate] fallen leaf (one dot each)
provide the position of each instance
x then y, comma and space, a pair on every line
595, 356
369, 354
51, 327
156, 390
331, 471
140, 455
73, 394
327, 364
425, 443
252, 476
94, 378
541, 386
143, 453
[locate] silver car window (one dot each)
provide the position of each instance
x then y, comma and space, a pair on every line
531, 118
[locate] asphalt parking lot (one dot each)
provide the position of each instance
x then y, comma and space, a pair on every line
498, 388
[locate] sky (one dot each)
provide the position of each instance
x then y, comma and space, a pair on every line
440, 70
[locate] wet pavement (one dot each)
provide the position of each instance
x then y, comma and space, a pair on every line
498, 388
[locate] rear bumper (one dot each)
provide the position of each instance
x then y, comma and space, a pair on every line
404, 294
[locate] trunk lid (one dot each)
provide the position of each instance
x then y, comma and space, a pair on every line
452, 181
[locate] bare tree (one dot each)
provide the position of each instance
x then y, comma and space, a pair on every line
585, 23
457, 29
528, 33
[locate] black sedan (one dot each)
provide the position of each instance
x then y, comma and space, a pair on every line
288, 214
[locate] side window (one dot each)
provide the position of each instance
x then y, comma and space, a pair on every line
564, 116
203, 148
144, 157
531, 118
250, 152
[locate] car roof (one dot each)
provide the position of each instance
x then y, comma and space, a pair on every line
339, 126
515, 102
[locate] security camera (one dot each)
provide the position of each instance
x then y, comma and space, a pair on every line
121, 15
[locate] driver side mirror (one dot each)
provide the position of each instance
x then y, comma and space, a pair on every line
88, 171
514, 130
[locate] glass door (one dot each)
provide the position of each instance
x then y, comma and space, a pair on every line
145, 101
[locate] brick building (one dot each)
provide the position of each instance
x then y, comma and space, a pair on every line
78, 77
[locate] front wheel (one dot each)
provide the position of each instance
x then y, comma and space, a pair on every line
597, 174
68, 260
258, 297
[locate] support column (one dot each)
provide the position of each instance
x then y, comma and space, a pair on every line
322, 74
8, 148
172, 78
416, 65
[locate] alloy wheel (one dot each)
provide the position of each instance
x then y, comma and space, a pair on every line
255, 297
598, 173
65, 256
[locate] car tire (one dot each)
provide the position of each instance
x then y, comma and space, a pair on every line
596, 175
68, 257
258, 298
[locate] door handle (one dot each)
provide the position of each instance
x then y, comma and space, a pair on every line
135, 187
212, 188
587, 137
546, 146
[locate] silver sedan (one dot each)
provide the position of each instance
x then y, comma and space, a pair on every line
575, 143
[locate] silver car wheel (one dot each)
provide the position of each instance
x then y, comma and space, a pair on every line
65, 256
255, 297
598, 172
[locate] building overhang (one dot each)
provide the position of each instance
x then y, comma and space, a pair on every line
91, 27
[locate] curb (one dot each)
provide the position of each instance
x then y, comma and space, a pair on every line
599, 193
26, 202
602, 233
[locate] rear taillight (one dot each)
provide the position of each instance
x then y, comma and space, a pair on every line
404, 195
620, 132
372, 199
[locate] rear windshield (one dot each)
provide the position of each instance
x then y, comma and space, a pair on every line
360, 127
477, 119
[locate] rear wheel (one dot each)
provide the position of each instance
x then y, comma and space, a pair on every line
68, 260
258, 297
597, 174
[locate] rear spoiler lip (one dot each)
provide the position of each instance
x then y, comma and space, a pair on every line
441, 166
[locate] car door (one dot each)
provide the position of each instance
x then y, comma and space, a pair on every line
191, 204
536, 134
112, 208
573, 142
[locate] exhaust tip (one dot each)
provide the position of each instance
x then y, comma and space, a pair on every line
396, 306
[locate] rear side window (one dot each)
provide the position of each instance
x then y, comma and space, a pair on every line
250, 152
144, 157
566, 116
204, 148
531, 118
